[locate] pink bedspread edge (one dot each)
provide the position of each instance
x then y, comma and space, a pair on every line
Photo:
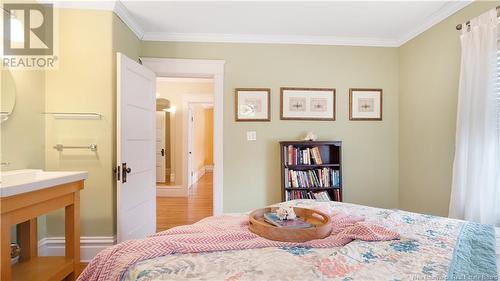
218, 233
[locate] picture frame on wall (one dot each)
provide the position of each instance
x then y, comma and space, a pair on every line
315, 104
252, 104
365, 104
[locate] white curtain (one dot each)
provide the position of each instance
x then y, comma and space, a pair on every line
475, 194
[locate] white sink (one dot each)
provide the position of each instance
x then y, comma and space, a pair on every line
21, 181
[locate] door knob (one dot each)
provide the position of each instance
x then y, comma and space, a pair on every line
125, 170
162, 152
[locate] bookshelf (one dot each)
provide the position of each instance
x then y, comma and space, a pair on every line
311, 170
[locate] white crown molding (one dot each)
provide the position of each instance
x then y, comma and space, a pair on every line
444, 12
107, 5
447, 10
267, 39
122, 12
115, 6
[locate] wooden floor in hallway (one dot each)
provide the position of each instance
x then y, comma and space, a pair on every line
175, 211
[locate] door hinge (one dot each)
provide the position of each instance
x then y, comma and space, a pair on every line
116, 172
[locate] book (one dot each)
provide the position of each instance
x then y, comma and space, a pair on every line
336, 195
272, 218
301, 156
324, 177
316, 155
297, 156
323, 196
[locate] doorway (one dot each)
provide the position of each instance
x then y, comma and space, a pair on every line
188, 103
193, 68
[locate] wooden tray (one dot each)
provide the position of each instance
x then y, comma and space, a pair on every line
321, 228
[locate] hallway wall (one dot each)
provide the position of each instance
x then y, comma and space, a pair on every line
209, 142
203, 131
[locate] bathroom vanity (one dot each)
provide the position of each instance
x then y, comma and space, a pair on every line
25, 195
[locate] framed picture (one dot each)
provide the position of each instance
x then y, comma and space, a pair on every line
252, 104
307, 104
365, 104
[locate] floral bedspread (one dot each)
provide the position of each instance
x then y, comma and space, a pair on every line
428, 250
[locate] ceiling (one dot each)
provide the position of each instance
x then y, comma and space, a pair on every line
359, 23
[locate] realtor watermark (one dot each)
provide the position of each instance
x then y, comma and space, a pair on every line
28, 36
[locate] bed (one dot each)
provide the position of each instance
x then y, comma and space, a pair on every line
429, 248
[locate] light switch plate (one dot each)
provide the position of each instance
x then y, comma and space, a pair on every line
251, 135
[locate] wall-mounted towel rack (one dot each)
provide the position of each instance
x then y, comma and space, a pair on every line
61, 147
76, 115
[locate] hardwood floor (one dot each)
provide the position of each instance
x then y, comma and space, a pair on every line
175, 211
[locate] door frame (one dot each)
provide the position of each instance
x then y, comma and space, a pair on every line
194, 68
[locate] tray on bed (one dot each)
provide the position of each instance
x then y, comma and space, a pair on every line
321, 228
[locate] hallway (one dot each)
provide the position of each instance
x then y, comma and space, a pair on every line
175, 211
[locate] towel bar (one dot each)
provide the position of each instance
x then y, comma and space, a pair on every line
76, 115
61, 147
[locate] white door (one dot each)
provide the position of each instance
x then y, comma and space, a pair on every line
160, 146
136, 187
190, 146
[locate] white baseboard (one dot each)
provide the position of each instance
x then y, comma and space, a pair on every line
198, 174
201, 172
89, 246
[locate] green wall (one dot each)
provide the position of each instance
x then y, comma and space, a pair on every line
83, 82
429, 74
86, 82
22, 135
251, 169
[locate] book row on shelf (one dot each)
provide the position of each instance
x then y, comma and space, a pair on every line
325, 177
304, 194
297, 156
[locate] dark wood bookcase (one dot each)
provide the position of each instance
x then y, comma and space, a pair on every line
331, 158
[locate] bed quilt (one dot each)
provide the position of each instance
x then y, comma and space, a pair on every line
430, 248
